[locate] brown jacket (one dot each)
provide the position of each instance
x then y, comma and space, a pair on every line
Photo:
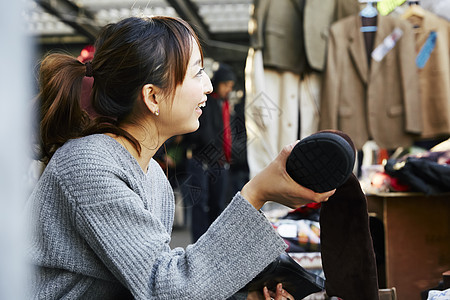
381, 103
435, 76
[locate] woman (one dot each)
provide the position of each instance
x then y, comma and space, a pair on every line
103, 210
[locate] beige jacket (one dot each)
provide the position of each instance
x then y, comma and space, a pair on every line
435, 76
381, 103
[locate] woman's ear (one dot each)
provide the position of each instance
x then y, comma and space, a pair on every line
150, 95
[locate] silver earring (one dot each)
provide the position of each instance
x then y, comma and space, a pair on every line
157, 112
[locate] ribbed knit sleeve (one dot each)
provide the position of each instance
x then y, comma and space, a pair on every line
135, 248
123, 217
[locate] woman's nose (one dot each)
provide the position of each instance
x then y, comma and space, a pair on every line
207, 85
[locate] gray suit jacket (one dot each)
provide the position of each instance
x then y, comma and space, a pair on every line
293, 33
279, 34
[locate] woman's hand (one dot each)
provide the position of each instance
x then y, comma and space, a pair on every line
280, 294
274, 184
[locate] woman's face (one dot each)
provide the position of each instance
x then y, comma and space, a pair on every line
182, 116
224, 89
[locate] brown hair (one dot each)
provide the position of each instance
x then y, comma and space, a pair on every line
129, 54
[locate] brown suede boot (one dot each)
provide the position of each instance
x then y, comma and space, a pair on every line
322, 162
348, 257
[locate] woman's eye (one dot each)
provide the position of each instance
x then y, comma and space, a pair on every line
200, 72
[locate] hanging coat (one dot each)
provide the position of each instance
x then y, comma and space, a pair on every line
381, 102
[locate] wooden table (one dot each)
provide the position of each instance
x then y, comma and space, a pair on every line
417, 239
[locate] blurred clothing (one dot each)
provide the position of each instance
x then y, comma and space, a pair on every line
282, 108
370, 102
209, 152
206, 191
280, 34
288, 50
434, 77
293, 33
239, 172
207, 143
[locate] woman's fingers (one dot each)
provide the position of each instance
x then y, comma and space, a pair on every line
266, 294
323, 197
280, 294
283, 155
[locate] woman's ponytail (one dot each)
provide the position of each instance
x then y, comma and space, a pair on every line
60, 115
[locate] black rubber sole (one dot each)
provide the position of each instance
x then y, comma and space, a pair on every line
321, 162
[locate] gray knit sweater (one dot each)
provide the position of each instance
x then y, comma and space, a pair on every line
101, 230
